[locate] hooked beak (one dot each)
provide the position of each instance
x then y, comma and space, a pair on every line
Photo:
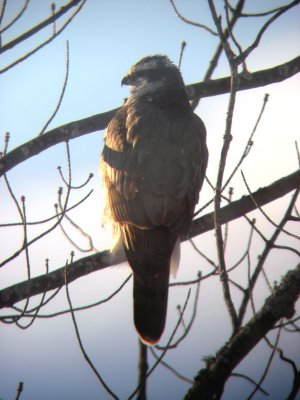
126, 80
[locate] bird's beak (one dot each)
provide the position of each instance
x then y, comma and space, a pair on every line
126, 80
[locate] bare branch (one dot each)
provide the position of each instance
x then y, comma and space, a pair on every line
244, 205
100, 121
39, 27
16, 17
269, 245
86, 357
52, 116
211, 380
214, 61
255, 44
96, 262
53, 137
221, 169
143, 367
187, 21
46, 42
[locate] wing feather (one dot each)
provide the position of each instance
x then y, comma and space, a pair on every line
152, 167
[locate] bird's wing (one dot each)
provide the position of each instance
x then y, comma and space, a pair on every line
154, 165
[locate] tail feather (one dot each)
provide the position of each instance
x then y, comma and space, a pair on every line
149, 254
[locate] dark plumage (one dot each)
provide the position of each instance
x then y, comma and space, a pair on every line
153, 165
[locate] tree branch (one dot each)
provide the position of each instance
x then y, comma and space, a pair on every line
100, 121
246, 80
95, 262
39, 27
280, 304
244, 205
61, 134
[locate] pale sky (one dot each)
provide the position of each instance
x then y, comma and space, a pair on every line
105, 39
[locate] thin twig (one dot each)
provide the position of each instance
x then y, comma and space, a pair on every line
100, 121
190, 324
170, 368
19, 390
29, 243
86, 357
104, 259
40, 26
263, 257
16, 17
265, 214
52, 116
187, 21
143, 367
214, 61
182, 47
167, 346
239, 375
221, 169
249, 142
30, 53
43, 221
297, 152
268, 365
260, 34
244, 255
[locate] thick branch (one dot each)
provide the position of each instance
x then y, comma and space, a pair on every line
53, 137
246, 80
87, 265
100, 121
280, 304
245, 204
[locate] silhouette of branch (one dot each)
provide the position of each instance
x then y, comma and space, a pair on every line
214, 61
100, 121
86, 357
62, 214
238, 375
16, 17
245, 204
248, 144
269, 245
159, 359
96, 262
19, 390
210, 381
47, 41
34, 311
170, 368
143, 367
52, 116
51, 138
187, 21
186, 329
268, 23
221, 169
268, 365
39, 27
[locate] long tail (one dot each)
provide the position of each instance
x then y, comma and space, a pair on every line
149, 254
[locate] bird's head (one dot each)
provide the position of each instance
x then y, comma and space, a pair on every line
153, 73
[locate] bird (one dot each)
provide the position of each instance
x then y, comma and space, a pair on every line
153, 166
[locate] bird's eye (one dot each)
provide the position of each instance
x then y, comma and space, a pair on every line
149, 75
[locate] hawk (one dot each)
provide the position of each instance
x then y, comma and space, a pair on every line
153, 166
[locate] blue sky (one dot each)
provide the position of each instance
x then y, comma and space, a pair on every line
105, 39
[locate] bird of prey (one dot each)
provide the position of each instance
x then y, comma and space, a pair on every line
153, 166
